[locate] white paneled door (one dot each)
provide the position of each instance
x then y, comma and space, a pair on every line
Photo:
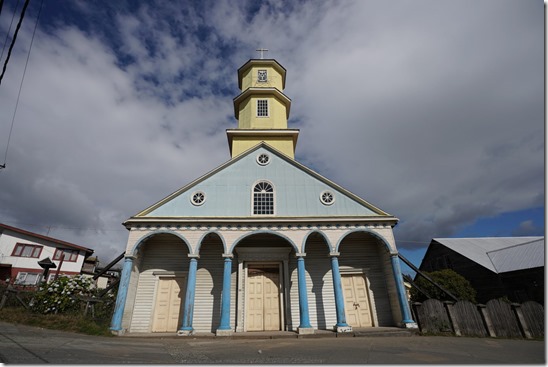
356, 300
263, 297
167, 311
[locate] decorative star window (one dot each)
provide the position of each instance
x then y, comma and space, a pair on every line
262, 76
263, 159
198, 198
327, 197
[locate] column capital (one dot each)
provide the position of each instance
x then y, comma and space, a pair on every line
300, 254
194, 256
392, 254
130, 257
334, 254
228, 256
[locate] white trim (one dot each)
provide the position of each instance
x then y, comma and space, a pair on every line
196, 193
327, 203
253, 199
263, 163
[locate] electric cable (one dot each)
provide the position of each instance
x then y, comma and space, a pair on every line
9, 29
14, 38
21, 84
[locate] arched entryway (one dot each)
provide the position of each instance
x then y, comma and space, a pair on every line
158, 283
264, 282
209, 284
369, 291
319, 282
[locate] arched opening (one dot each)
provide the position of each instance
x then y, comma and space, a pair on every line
158, 284
319, 281
209, 284
369, 288
263, 276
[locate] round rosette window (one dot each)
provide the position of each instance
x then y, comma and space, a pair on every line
263, 159
198, 198
327, 197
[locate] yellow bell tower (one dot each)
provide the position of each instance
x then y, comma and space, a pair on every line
262, 109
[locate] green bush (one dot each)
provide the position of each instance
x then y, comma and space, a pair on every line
453, 282
61, 295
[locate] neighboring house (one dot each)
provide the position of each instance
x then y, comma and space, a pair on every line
262, 242
21, 250
511, 267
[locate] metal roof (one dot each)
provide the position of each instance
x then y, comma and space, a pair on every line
499, 254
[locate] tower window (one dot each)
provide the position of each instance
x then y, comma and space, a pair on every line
263, 198
262, 108
262, 76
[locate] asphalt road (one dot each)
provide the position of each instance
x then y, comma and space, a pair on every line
21, 344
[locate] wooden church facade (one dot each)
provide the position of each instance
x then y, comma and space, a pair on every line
261, 242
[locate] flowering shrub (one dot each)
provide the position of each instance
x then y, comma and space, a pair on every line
61, 295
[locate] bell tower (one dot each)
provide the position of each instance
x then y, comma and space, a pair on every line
262, 109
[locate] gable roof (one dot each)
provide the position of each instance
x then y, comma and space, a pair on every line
499, 254
45, 238
231, 183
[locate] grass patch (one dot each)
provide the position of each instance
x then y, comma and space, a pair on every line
66, 322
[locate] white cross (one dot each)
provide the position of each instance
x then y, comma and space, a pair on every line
261, 50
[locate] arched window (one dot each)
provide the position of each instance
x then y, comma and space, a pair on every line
263, 198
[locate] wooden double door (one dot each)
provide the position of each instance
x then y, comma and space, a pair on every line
167, 310
263, 297
356, 300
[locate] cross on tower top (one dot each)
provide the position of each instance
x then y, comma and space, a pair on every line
261, 50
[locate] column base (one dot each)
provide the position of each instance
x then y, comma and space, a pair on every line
185, 332
342, 329
305, 330
409, 325
227, 332
117, 332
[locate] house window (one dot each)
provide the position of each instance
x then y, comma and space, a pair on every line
25, 250
262, 108
27, 278
70, 255
263, 198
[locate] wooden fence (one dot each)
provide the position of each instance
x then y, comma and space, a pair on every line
496, 319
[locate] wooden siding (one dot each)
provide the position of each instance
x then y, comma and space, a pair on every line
160, 253
319, 286
209, 287
359, 251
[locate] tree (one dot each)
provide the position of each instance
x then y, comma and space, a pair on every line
448, 279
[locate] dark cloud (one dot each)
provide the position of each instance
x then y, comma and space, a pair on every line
432, 111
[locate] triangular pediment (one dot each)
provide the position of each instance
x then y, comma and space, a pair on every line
227, 192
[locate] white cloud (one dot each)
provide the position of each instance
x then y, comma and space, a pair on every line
432, 111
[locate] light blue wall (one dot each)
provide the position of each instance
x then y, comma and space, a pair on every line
228, 192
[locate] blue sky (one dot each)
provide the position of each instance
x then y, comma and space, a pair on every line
430, 110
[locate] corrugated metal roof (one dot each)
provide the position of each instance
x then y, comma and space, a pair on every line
523, 256
499, 254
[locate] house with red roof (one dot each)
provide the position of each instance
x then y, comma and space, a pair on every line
21, 250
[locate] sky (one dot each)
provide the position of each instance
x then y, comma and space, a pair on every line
431, 110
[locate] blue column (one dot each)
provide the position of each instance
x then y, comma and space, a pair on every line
303, 298
404, 305
116, 324
188, 313
225, 299
337, 285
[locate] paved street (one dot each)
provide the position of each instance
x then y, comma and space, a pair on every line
28, 345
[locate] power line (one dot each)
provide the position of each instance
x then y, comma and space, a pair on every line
24, 73
9, 29
14, 38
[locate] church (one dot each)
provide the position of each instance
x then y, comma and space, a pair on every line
262, 242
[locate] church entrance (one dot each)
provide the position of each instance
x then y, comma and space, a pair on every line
356, 300
263, 297
167, 310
